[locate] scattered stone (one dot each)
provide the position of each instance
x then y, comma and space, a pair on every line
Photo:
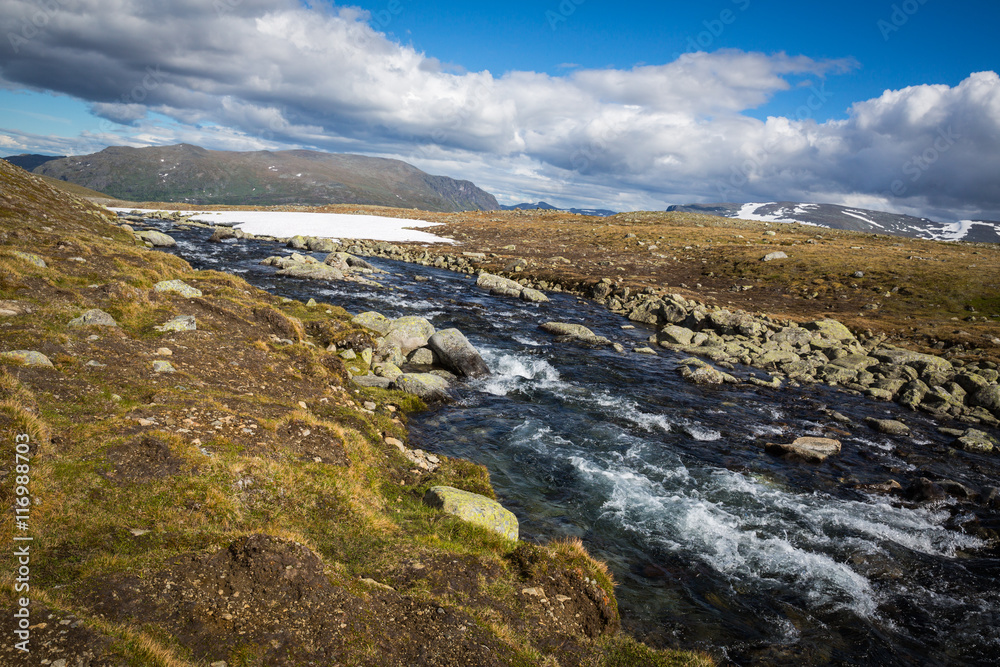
374, 321
94, 317
163, 366
164, 351
473, 508
179, 323
811, 450
574, 331
888, 426
771, 256
178, 287
28, 357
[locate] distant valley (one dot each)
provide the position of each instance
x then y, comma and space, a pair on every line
197, 176
833, 216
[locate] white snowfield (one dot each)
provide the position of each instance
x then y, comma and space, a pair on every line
326, 225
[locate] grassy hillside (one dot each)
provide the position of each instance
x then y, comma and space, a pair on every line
245, 506
195, 176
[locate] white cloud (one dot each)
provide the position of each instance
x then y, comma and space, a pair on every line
251, 74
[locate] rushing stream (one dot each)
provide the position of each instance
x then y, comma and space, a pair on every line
715, 544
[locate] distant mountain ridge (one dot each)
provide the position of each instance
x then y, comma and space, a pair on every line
833, 216
600, 212
198, 176
31, 161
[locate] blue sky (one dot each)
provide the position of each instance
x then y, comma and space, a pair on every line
579, 102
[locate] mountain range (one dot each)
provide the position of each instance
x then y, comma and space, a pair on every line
833, 216
197, 176
599, 212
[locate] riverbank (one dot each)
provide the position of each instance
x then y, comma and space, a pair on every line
205, 486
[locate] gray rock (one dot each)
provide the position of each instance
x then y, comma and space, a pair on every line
474, 508
162, 366
989, 398
177, 287
322, 245
94, 317
812, 450
158, 239
771, 256
974, 440
575, 331
675, 335
425, 385
919, 361
831, 329
179, 323
499, 285
533, 295
312, 271
31, 258
372, 381
298, 242
409, 333
28, 357
888, 426
456, 353
374, 321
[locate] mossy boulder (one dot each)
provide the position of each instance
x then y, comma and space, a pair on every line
177, 287
94, 317
28, 357
473, 508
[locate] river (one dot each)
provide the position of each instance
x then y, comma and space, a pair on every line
715, 545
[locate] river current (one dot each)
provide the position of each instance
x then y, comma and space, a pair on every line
714, 544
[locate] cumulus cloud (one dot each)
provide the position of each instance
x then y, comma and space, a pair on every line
251, 74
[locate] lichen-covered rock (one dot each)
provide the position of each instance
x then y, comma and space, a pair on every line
457, 354
425, 385
919, 361
179, 323
975, 440
409, 333
31, 258
28, 357
499, 285
177, 287
311, 271
475, 509
989, 398
94, 317
533, 295
888, 426
675, 335
163, 366
812, 450
374, 321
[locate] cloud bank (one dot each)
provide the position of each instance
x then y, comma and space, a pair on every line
253, 74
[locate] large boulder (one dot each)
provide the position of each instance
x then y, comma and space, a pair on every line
474, 508
974, 440
989, 398
456, 353
409, 333
28, 357
921, 362
157, 239
425, 385
830, 329
499, 285
812, 450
